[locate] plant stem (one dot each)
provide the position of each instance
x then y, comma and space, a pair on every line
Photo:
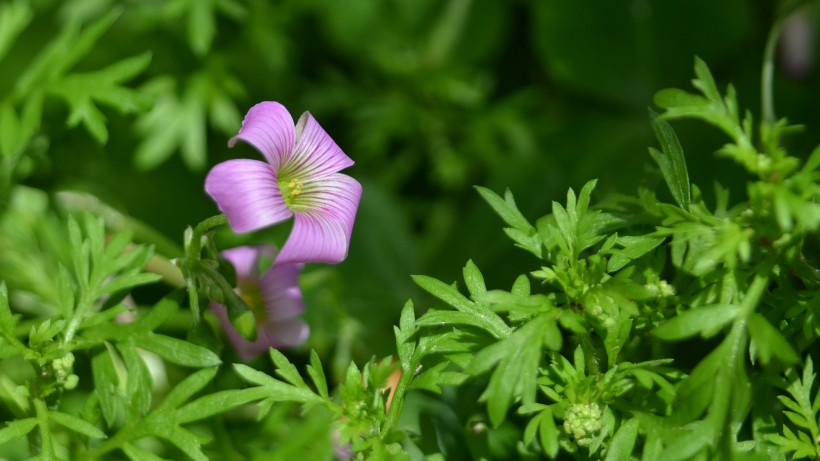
200, 230
407, 375
767, 74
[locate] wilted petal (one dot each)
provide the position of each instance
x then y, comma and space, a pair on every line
315, 154
268, 127
247, 192
245, 259
280, 292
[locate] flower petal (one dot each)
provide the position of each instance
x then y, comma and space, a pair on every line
280, 292
315, 154
321, 231
245, 259
268, 127
337, 195
284, 333
247, 192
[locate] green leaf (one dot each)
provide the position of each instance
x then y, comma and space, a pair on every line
767, 341
17, 429
505, 208
286, 369
317, 374
185, 389
623, 441
6, 318
671, 161
473, 314
76, 424
201, 26
633, 248
10, 133
218, 402
517, 357
176, 350
139, 454
706, 321
274, 389
521, 231
14, 17
106, 384
473, 279
138, 384
185, 440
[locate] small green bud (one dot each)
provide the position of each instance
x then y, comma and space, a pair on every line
245, 324
71, 382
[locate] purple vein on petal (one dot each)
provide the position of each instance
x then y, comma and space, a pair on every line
315, 238
315, 154
268, 126
247, 192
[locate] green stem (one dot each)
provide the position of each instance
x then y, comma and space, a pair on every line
767, 74
201, 229
44, 444
396, 404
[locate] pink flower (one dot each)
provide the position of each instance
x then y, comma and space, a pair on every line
274, 298
300, 179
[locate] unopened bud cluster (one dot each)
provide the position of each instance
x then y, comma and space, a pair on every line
64, 371
582, 421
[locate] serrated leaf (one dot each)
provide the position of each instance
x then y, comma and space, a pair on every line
633, 248
433, 378
176, 350
218, 402
286, 369
505, 208
671, 161
277, 390
185, 389
516, 358
623, 441
706, 321
769, 341
317, 374
472, 313
76, 424
17, 429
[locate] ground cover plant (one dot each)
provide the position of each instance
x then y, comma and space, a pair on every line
309, 306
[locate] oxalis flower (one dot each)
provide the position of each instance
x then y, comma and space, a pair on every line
300, 179
273, 297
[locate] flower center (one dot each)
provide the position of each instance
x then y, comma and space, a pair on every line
252, 295
290, 189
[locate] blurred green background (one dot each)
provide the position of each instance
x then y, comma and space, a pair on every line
429, 97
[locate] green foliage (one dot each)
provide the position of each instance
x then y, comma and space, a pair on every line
664, 325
